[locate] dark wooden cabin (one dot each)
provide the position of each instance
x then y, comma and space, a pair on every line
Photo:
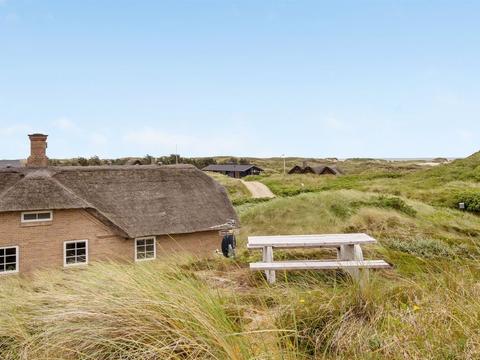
234, 170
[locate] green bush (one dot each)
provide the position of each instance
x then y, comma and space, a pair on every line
471, 200
389, 202
395, 203
242, 201
426, 248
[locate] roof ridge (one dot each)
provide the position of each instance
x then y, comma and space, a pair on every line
70, 191
9, 188
59, 169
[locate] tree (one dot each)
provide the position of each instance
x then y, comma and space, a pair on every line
94, 160
82, 161
148, 160
232, 160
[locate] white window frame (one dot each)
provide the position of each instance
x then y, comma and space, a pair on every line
36, 212
154, 248
65, 253
17, 260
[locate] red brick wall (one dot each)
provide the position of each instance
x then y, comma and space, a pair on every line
38, 149
199, 244
41, 244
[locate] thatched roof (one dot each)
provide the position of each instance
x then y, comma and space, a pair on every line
10, 163
296, 170
134, 161
140, 201
322, 170
319, 170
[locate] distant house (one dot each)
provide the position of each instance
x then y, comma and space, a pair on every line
69, 216
134, 161
234, 170
10, 163
321, 170
296, 170
318, 170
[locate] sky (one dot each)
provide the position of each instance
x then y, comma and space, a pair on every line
359, 78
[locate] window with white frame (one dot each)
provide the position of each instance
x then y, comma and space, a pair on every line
8, 259
145, 248
75, 252
36, 216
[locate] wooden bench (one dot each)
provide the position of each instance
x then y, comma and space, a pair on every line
349, 253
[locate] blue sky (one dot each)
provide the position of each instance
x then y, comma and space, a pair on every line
375, 78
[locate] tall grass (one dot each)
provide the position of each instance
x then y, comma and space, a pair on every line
117, 312
436, 318
427, 307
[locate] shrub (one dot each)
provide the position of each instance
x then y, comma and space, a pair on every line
242, 201
426, 248
395, 203
389, 202
471, 200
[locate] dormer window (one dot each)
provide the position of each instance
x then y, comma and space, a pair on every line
37, 216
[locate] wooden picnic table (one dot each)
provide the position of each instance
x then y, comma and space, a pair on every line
349, 253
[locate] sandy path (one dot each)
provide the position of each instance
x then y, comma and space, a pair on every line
258, 190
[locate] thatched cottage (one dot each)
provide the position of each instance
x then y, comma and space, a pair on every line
71, 216
318, 170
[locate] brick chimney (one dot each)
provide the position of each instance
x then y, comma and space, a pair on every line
38, 151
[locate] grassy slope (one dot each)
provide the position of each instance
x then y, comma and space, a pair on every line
440, 185
236, 190
421, 309
426, 307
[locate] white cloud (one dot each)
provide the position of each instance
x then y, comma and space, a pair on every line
154, 141
65, 124
15, 129
465, 134
448, 98
334, 123
152, 138
98, 139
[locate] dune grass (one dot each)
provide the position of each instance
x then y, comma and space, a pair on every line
113, 311
426, 307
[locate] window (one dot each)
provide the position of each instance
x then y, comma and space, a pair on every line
75, 252
8, 260
37, 216
145, 249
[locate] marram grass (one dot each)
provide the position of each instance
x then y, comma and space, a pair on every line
111, 311
426, 307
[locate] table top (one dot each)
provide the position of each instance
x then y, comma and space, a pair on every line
318, 240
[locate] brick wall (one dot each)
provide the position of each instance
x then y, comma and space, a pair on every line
38, 149
198, 244
41, 244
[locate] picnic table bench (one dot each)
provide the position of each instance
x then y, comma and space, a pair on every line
349, 253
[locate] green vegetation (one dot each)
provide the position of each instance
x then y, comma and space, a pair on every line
471, 199
118, 312
237, 192
426, 307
